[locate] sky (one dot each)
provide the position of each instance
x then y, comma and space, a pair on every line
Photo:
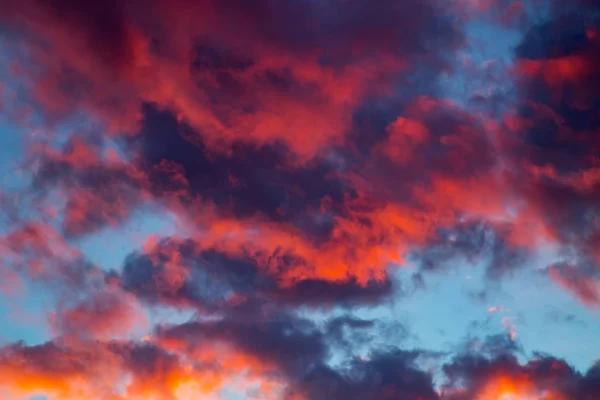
299, 200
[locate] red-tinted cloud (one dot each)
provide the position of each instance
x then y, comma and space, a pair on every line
103, 314
305, 149
587, 289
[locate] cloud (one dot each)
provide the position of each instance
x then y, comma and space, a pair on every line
95, 370
580, 282
543, 377
181, 273
305, 65
104, 314
305, 150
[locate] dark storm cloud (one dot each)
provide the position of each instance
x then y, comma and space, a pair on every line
300, 350
474, 242
556, 89
383, 376
248, 180
339, 27
554, 39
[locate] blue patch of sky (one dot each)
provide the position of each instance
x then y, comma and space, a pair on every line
546, 318
449, 312
23, 317
490, 51
11, 154
109, 247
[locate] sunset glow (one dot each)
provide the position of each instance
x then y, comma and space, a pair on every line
299, 200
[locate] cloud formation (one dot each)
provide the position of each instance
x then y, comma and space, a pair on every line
307, 151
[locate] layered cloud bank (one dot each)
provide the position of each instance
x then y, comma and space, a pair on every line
306, 151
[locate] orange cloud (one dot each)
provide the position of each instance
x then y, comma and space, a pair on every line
511, 388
